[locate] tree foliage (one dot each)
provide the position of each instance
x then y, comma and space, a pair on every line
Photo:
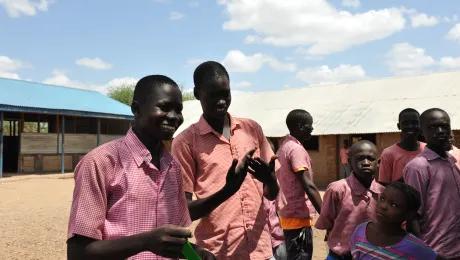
124, 93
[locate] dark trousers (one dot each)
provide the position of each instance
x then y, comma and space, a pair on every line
299, 243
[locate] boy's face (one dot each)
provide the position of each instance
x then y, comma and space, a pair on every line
306, 128
437, 129
392, 206
364, 160
160, 117
215, 97
409, 124
451, 141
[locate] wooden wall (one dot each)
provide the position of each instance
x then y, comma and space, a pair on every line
34, 143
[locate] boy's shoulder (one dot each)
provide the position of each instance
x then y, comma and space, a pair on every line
338, 186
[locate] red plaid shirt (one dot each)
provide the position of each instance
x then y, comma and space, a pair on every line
119, 192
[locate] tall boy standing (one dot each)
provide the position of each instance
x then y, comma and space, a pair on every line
296, 181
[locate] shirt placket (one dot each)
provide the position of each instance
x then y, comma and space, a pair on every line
243, 192
367, 199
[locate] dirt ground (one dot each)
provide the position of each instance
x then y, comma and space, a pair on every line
34, 212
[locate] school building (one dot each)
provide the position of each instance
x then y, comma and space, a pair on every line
46, 128
354, 111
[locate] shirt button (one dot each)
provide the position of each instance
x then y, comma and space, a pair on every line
247, 225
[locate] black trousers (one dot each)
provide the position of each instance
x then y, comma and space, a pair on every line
299, 243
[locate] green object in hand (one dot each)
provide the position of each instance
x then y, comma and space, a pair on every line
189, 252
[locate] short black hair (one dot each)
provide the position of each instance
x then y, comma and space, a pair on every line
295, 117
208, 70
407, 110
426, 113
412, 195
145, 86
357, 144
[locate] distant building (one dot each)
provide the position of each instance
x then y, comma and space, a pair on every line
46, 128
354, 111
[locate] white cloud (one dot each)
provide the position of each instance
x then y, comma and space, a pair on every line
126, 81
194, 4
60, 78
351, 3
454, 33
422, 19
450, 63
404, 59
95, 63
237, 61
16, 8
176, 16
315, 24
194, 61
242, 84
324, 75
9, 67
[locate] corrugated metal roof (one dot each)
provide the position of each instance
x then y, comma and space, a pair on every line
354, 108
25, 96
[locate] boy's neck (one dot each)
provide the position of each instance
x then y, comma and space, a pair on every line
152, 144
409, 144
366, 183
296, 137
217, 124
439, 150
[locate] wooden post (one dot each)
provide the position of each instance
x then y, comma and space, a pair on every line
1, 144
62, 145
38, 125
57, 133
98, 131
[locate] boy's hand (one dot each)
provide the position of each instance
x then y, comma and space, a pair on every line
237, 174
205, 255
167, 241
262, 171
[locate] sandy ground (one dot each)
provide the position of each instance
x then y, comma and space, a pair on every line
34, 212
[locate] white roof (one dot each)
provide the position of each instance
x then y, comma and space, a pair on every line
362, 107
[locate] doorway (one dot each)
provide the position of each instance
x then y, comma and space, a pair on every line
10, 146
369, 137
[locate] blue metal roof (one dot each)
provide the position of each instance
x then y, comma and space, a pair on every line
33, 97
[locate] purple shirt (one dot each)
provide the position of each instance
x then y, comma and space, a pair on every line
438, 181
277, 235
410, 248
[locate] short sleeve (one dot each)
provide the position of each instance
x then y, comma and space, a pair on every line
181, 150
386, 168
328, 208
299, 159
418, 177
89, 204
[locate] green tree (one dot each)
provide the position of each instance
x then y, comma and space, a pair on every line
124, 93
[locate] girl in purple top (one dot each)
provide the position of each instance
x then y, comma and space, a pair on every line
386, 239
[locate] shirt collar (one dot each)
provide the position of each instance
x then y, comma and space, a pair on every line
358, 189
292, 138
431, 155
141, 154
205, 128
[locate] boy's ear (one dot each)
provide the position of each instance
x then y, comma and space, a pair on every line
135, 108
196, 93
398, 125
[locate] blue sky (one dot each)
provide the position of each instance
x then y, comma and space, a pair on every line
265, 44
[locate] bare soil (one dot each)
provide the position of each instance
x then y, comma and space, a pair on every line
34, 212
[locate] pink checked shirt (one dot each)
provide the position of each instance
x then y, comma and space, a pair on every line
438, 181
292, 156
118, 193
346, 204
237, 229
276, 232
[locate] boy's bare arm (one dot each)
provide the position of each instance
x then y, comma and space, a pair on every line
166, 241
310, 189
